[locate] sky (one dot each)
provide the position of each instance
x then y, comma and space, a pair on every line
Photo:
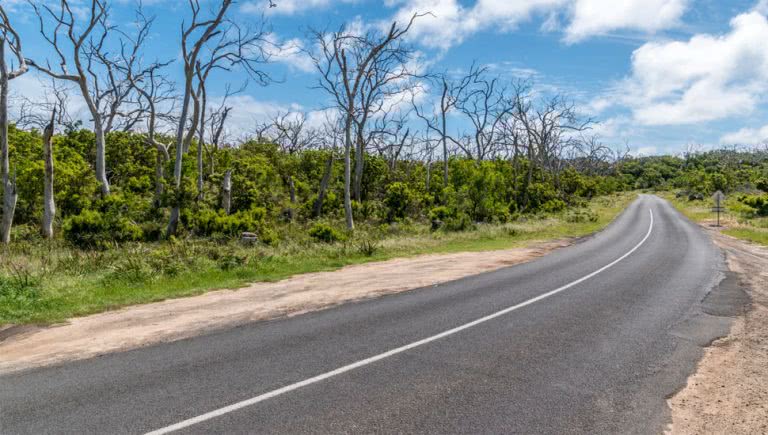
657, 75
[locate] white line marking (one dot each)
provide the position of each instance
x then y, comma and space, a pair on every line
288, 388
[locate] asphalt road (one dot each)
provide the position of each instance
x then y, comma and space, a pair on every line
589, 339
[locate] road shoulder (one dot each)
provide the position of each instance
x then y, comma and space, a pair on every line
175, 319
728, 392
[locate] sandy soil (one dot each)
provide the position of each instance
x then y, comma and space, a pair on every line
175, 319
729, 392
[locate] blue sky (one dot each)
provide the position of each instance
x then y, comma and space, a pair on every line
658, 74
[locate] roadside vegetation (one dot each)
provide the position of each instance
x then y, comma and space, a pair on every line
689, 181
49, 282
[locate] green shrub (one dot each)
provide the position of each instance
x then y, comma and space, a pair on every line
462, 222
209, 223
450, 219
553, 206
399, 200
325, 233
91, 229
758, 203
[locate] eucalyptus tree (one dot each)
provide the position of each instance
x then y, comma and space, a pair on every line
45, 114
9, 40
436, 120
82, 40
209, 43
355, 69
293, 135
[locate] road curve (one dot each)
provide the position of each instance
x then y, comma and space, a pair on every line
589, 339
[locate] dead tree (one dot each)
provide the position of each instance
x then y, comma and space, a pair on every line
485, 105
217, 120
292, 135
450, 91
46, 115
549, 127
49, 204
208, 44
347, 63
391, 133
332, 136
83, 59
11, 39
385, 86
158, 96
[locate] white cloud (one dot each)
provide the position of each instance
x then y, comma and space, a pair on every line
451, 21
706, 78
594, 17
746, 136
290, 52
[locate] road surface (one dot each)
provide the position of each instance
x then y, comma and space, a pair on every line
589, 339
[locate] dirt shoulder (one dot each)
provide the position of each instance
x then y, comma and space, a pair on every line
175, 319
729, 393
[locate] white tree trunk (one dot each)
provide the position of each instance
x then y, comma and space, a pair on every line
9, 184
49, 205
348, 174
101, 163
226, 192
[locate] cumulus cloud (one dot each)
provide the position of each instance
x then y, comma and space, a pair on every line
746, 136
706, 78
594, 17
451, 21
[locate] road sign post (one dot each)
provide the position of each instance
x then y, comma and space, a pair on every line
719, 200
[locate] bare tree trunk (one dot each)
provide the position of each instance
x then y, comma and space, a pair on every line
226, 192
173, 222
318, 209
429, 173
359, 167
9, 207
49, 204
101, 162
160, 160
348, 173
200, 145
200, 168
444, 139
9, 183
292, 189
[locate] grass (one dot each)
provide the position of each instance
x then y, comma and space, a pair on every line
736, 224
48, 283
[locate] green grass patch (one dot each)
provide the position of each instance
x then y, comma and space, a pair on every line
42, 283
